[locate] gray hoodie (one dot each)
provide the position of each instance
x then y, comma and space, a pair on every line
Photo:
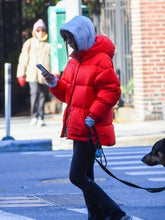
83, 31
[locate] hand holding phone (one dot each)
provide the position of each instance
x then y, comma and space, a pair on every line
50, 78
45, 73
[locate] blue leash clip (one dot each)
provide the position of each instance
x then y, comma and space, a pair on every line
98, 153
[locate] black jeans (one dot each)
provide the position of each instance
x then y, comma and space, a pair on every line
100, 206
37, 99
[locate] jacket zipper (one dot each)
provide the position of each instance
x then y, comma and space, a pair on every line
69, 106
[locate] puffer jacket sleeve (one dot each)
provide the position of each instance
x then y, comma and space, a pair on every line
59, 90
62, 87
23, 59
108, 90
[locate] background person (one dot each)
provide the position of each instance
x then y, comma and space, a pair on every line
35, 50
90, 88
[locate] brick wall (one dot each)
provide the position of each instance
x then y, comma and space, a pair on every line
148, 54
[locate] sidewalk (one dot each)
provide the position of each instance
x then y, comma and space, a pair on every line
143, 133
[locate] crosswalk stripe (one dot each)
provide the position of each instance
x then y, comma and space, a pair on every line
22, 201
126, 152
123, 162
62, 155
145, 173
157, 179
109, 153
80, 210
44, 153
123, 157
134, 167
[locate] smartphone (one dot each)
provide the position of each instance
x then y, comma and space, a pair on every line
44, 70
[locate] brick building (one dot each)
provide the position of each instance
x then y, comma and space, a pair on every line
148, 58
147, 51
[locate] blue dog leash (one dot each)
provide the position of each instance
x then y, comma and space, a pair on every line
99, 153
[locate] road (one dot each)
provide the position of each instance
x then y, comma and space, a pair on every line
35, 185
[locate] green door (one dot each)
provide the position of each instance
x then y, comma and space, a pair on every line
56, 19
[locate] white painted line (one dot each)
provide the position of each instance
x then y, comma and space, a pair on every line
125, 152
123, 162
15, 197
82, 210
22, 205
157, 179
145, 173
123, 157
63, 155
43, 153
21, 201
134, 167
10, 216
55, 154
108, 158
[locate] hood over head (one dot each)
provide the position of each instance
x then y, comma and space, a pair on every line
102, 45
83, 31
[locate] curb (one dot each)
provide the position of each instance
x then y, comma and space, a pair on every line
26, 145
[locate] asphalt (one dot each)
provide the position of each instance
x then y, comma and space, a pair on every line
21, 136
24, 137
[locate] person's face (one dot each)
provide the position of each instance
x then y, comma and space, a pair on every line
40, 32
70, 40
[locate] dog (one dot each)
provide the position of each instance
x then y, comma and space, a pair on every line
157, 154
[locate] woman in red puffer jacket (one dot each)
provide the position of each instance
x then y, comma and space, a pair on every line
90, 88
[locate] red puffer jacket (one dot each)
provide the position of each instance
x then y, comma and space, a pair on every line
90, 87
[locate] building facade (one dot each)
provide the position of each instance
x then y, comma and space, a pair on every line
137, 27
148, 57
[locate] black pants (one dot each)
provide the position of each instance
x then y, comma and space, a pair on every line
100, 206
37, 99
